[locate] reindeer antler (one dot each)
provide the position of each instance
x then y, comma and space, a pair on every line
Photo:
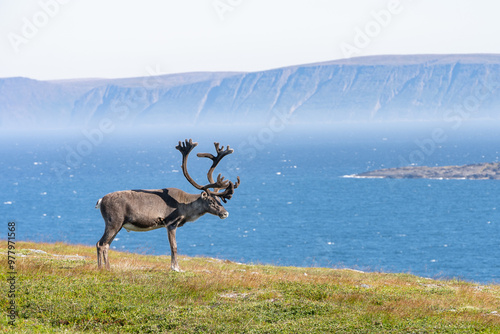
221, 153
186, 147
228, 193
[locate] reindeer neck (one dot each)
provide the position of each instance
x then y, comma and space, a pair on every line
189, 205
182, 197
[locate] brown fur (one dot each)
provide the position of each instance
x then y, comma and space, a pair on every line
149, 210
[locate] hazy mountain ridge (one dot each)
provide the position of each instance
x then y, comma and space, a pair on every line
369, 88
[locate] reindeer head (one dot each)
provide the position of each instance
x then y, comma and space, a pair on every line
222, 189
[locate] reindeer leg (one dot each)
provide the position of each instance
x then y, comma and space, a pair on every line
102, 255
173, 248
99, 255
105, 256
103, 246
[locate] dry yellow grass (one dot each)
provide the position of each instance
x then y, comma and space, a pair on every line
59, 288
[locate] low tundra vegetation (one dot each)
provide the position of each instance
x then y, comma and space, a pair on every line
60, 289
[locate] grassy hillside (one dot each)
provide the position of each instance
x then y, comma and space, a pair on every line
59, 289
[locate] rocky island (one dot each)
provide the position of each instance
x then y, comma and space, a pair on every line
481, 171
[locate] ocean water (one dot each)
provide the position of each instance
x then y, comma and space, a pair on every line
295, 207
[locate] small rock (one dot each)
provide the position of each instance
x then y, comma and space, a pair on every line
37, 251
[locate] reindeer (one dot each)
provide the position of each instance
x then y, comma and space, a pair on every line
146, 210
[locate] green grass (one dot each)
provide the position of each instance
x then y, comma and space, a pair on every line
58, 291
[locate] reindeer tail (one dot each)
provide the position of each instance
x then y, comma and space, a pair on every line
98, 204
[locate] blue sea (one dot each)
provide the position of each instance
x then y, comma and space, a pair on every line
296, 205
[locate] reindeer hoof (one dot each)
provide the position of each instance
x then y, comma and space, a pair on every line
177, 270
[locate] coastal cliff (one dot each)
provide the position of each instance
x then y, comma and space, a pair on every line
377, 88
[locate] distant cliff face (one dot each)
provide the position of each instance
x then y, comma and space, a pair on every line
380, 88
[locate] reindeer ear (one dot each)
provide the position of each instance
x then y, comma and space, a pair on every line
204, 195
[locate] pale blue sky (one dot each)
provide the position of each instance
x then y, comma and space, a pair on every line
53, 39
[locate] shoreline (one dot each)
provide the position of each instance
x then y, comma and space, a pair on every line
479, 171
